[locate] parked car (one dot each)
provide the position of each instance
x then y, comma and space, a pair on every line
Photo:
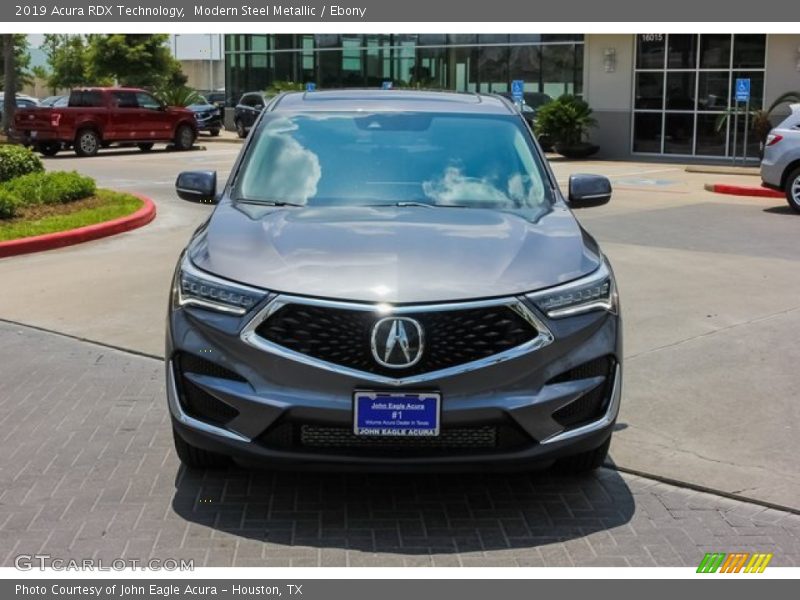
57, 101
208, 116
393, 279
218, 98
23, 101
247, 111
780, 167
100, 117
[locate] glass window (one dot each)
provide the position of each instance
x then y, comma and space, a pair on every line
125, 99
680, 90
678, 133
712, 93
558, 69
649, 90
473, 161
647, 132
147, 101
749, 51
711, 135
682, 51
650, 51
715, 51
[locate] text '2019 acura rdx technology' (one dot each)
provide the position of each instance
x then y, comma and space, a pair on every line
392, 280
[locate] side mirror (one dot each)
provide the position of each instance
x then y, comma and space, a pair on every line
197, 186
588, 190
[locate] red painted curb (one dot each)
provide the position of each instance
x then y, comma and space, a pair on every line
743, 190
82, 234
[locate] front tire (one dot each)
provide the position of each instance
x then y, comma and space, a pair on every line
87, 143
49, 148
197, 458
584, 462
792, 189
184, 138
213, 132
240, 130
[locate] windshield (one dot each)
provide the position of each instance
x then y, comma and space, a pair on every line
346, 159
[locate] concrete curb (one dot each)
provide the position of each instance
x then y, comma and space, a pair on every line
60, 239
743, 190
753, 171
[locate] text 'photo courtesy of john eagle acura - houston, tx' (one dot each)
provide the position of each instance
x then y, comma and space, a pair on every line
392, 279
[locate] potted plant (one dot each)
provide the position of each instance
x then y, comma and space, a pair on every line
566, 122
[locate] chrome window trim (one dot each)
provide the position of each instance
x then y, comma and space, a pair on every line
249, 336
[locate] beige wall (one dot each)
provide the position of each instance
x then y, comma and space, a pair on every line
783, 62
199, 77
609, 93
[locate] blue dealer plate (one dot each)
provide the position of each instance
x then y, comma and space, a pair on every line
397, 414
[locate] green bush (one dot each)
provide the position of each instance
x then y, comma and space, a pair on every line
8, 204
566, 120
55, 187
16, 161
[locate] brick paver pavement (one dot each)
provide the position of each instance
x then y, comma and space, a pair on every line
87, 470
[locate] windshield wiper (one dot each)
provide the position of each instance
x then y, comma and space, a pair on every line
268, 202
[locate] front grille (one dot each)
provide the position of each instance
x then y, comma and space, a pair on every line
324, 439
343, 336
591, 405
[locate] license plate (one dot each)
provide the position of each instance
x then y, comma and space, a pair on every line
34, 134
398, 414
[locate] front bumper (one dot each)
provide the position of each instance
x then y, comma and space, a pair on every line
209, 123
274, 398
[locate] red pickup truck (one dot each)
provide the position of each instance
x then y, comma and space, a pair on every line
99, 117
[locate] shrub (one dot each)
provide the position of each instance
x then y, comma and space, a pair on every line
566, 120
8, 204
16, 161
55, 187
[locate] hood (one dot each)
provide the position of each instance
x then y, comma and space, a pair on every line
397, 255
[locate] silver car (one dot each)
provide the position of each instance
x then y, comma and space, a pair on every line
780, 167
392, 279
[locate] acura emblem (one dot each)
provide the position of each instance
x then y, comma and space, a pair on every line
397, 342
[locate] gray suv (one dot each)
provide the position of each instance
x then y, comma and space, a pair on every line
780, 167
392, 279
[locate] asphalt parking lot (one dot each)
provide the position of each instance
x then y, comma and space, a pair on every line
710, 299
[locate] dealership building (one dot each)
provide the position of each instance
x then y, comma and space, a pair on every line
653, 95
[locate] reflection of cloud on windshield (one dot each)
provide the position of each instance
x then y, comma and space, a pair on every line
455, 188
293, 172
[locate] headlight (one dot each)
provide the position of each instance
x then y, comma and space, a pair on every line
593, 292
196, 288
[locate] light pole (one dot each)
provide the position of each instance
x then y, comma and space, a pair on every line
210, 62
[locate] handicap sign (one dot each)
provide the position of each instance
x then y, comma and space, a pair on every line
386, 85
517, 89
742, 90
311, 86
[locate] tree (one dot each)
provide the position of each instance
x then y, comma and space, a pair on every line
139, 60
68, 58
9, 81
21, 61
